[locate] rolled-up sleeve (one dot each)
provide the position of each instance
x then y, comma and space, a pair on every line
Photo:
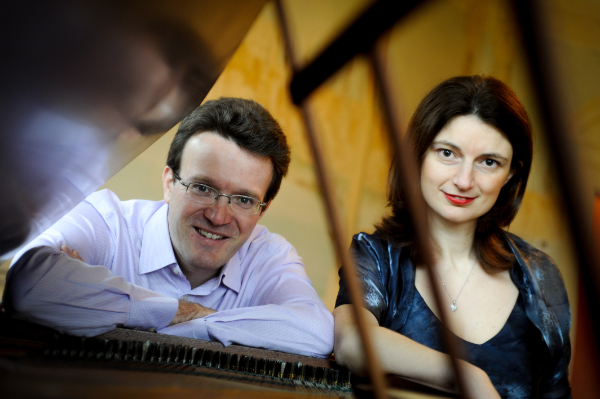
282, 312
301, 329
49, 288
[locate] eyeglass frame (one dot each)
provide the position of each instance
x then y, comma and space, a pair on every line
220, 194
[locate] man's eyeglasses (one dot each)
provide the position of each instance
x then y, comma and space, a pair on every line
207, 195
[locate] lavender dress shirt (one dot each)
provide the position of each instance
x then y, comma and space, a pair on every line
130, 278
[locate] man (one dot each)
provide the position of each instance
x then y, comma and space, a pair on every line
196, 264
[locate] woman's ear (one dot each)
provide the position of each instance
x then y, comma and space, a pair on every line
513, 171
511, 174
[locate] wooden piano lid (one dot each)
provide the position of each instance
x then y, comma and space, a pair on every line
87, 86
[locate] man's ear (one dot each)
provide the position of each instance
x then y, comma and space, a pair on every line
262, 212
168, 181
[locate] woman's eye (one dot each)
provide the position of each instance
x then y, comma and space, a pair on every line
490, 162
446, 153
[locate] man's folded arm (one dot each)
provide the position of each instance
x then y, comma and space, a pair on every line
294, 328
286, 314
50, 288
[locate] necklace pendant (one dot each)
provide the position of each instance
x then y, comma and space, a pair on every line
453, 306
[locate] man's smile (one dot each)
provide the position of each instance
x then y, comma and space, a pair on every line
206, 234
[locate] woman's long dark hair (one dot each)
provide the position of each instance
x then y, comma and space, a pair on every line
495, 104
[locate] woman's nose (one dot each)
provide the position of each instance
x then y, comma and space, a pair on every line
464, 177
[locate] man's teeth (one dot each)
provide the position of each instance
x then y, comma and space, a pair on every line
209, 235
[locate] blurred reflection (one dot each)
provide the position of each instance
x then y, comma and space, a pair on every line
84, 83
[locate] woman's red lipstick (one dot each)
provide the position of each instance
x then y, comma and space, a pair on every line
459, 200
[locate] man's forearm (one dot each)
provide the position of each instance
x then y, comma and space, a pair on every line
299, 328
185, 312
189, 311
61, 292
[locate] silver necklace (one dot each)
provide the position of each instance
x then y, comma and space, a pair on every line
453, 306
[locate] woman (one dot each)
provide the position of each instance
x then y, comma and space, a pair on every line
509, 307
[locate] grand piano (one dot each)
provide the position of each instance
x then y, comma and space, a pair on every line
87, 88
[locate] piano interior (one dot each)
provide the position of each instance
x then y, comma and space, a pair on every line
91, 96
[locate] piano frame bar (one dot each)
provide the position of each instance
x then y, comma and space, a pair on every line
363, 36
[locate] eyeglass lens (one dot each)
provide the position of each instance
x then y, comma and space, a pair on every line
209, 195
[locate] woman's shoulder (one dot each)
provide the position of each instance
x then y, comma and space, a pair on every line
374, 243
380, 253
529, 254
376, 238
539, 268
367, 244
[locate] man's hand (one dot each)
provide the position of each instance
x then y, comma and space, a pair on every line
73, 254
189, 311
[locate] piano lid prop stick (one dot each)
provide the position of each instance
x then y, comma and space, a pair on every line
410, 186
325, 187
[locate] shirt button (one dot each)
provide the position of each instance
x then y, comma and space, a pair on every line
176, 270
184, 298
152, 329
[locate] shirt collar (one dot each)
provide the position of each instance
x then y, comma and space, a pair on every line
157, 250
231, 273
230, 276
